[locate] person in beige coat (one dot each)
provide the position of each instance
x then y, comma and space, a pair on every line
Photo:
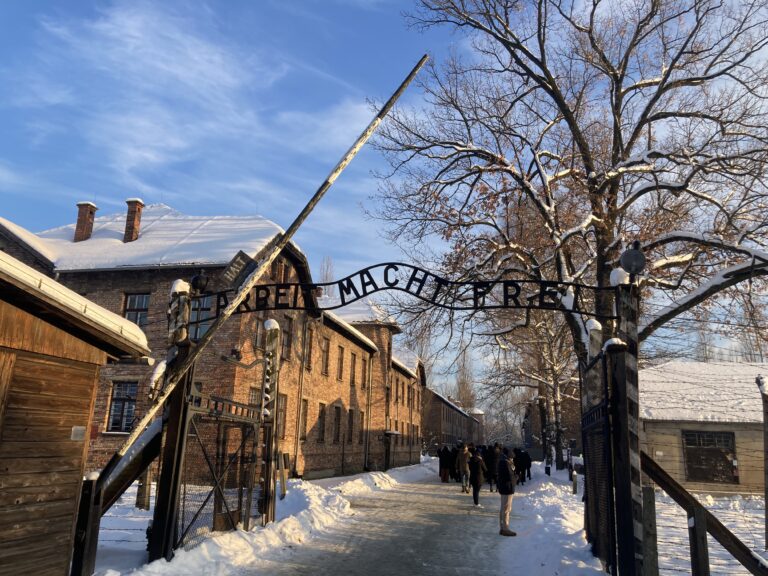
462, 464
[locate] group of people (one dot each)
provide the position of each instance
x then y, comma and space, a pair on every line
473, 465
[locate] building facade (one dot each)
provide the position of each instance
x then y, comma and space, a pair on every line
703, 423
447, 424
343, 395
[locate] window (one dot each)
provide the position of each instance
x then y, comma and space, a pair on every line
201, 316
304, 416
137, 309
340, 364
362, 427
364, 375
309, 346
287, 338
397, 438
260, 332
352, 368
122, 406
710, 456
326, 350
254, 396
321, 423
350, 425
282, 406
336, 424
397, 391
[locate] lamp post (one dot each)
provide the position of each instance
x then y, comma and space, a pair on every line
760, 381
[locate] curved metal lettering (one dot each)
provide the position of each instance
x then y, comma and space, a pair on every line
422, 284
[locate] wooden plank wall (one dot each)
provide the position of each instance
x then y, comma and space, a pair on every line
41, 399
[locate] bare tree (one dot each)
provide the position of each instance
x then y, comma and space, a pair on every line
575, 127
465, 380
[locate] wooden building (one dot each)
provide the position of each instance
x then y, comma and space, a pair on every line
53, 343
341, 388
703, 423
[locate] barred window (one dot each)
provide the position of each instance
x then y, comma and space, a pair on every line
336, 424
710, 456
201, 316
321, 423
137, 309
350, 425
122, 406
304, 417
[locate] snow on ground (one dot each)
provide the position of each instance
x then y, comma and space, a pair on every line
546, 515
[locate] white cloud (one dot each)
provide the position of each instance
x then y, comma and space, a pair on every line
153, 86
327, 132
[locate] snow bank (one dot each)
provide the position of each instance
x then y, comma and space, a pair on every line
307, 508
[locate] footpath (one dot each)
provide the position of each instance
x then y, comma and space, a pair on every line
404, 522
433, 529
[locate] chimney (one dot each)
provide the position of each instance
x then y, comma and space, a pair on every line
84, 227
133, 219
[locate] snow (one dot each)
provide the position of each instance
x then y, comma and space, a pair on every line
351, 329
547, 517
702, 391
619, 276
166, 238
406, 356
45, 288
593, 324
179, 287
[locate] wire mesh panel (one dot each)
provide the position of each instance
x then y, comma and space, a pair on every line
598, 473
217, 484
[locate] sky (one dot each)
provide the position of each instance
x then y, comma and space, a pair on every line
214, 108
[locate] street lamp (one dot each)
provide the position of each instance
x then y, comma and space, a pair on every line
633, 261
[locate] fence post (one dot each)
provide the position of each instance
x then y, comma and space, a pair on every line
697, 533
760, 381
628, 307
651, 551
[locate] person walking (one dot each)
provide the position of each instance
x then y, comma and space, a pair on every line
506, 480
477, 470
491, 463
462, 466
444, 458
518, 462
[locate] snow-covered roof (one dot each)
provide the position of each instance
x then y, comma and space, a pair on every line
451, 404
166, 238
79, 311
702, 392
365, 309
400, 364
351, 330
406, 359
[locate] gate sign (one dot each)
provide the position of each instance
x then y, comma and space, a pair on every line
422, 284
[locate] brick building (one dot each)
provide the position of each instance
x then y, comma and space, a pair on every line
345, 402
446, 423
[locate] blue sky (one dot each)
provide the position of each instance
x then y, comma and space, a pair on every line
215, 108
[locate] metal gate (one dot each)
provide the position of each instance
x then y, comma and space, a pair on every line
218, 478
599, 509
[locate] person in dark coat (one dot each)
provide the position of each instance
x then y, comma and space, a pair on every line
519, 465
506, 480
491, 458
454, 462
444, 458
526, 462
477, 470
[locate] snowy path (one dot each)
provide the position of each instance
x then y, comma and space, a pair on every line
416, 528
